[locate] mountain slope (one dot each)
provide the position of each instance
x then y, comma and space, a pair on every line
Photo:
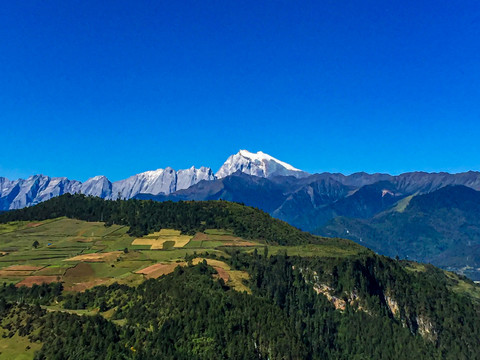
238, 187
441, 227
38, 188
20, 193
161, 181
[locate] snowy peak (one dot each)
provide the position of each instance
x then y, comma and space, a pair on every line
189, 177
261, 156
257, 164
161, 181
97, 186
37, 188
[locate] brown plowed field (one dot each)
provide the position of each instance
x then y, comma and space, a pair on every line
31, 280
81, 270
222, 274
200, 237
82, 286
157, 270
23, 268
31, 225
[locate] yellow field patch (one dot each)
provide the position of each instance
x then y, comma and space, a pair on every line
96, 257
236, 280
158, 244
212, 262
182, 240
233, 278
159, 238
143, 241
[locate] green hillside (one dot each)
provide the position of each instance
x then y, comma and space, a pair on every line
215, 288
144, 217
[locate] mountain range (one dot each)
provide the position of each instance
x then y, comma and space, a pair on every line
37, 188
368, 208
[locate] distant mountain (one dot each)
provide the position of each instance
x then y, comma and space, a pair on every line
37, 188
258, 164
161, 181
20, 193
238, 187
310, 202
97, 186
441, 227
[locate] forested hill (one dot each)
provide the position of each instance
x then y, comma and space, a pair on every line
144, 217
294, 311
266, 302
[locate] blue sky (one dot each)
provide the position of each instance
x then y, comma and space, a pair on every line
121, 87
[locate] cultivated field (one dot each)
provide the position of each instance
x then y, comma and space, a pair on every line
163, 239
85, 254
213, 238
157, 270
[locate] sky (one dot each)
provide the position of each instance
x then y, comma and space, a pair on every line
120, 87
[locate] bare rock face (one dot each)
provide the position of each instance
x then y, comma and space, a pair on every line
97, 186
37, 188
189, 177
426, 328
392, 305
161, 181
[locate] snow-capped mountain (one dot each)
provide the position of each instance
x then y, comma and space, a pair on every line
189, 177
26, 192
258, 164
97, 186
161, 181
37, 188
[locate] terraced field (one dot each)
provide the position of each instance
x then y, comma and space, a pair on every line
85, 254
